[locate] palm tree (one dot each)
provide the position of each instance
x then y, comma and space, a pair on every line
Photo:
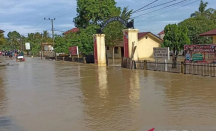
202, 10
126, 13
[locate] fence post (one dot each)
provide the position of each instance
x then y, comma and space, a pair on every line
183, 67
84, 60
145, 65
165, 62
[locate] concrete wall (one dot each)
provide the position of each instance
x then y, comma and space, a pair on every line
116, 55
214, 39
145, 46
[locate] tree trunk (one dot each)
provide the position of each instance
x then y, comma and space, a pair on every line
174, 58
113, 56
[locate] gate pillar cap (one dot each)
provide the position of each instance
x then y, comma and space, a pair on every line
130, 30
99, 35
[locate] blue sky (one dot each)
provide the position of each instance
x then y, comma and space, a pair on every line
27, 16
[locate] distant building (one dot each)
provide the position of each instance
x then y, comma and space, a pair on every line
161, 34
146, 42
1, 31
211, 33
74, 30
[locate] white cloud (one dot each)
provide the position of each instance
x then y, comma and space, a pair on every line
171, 21
25, 6
22, 29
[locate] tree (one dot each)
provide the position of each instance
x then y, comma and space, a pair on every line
86, 37
93, 12
175, 38
209, 13
126, 13
113, 31
2, 39
202, 9
196, 26
14, 38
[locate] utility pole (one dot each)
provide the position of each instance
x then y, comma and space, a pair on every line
52, 27
41, 46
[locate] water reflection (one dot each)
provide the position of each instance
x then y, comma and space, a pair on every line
102, 82
113, 100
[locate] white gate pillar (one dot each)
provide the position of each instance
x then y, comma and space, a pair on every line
99, 49
130, 37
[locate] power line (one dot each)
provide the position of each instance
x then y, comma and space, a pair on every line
37, 25
156, 5
52, 27
65, 13
144, 6
45, 25
56, 13
169, 10
159, 9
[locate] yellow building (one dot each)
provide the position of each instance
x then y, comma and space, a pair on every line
146, 42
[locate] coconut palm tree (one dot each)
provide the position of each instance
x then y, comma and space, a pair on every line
202, 10
126, 13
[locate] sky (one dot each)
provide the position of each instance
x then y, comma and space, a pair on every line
25, 16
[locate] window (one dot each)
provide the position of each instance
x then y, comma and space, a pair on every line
107, 48
116, 50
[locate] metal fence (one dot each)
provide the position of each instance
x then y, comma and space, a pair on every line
158, 66
81, 60
202, 69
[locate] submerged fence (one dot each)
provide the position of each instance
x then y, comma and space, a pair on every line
184, 68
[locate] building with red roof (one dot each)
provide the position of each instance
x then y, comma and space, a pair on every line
1, 31
211, 33
74, 30
146, 42
161, 34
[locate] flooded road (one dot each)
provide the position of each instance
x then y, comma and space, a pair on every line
63, 96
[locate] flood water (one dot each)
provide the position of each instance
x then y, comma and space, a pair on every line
63, 96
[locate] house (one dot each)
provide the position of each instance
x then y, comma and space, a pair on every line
1, 31
146, 42
211, 33
161, 34
74, 30
48, 50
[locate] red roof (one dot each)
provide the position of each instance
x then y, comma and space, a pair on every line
162, 32
1, 31
74, 30
142, 34
209, 33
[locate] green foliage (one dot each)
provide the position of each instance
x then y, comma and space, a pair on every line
35, 41
175, 37
13, 39
83, 40
94, 12
113, 31
2, 39
196, 26
202, 10
86, 37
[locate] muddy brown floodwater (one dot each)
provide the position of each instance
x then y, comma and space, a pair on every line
63, 96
